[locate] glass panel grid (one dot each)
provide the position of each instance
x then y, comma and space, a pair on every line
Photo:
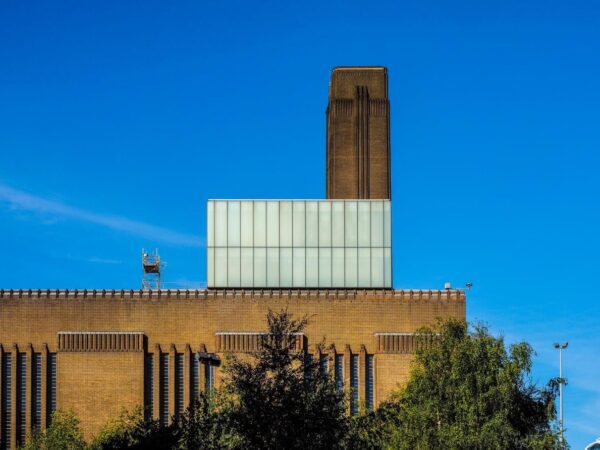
299, 243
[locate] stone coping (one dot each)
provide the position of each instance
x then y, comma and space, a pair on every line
138, 294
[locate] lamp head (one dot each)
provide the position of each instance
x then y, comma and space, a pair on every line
556, 345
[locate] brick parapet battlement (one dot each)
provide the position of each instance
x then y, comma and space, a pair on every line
201, 294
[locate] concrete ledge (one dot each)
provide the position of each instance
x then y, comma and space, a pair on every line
200, 294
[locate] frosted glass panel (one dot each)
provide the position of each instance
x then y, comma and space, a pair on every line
387, 224
247, 224
337, 267
233, 224
260, 267
351, 279
387, 264
221, 224
377, 224
324, 224
377, 273
210, 224
299, 264
312, 224
312, 267
210, 266
272, 224
233, 267
285, 267
325, 267
299, 243
220, 266
337, 224
260, 224
351, 233
247, 268
273, 267
299, 228
364, 224
364, 267
285, 224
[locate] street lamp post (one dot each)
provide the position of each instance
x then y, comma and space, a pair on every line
560, 348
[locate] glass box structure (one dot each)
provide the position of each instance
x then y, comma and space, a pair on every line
299, 244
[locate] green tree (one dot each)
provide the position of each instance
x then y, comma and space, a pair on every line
203, 426
467, 391
62, 434
278, 397
129, 430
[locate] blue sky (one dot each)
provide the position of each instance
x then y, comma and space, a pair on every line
119, 119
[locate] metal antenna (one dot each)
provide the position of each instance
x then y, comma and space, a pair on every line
151, 270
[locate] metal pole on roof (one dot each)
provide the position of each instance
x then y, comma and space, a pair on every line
561, 381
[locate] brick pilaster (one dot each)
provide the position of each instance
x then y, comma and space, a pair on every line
362, 378
346, 371
13, 399
28, 389
375, 396
331, 360
156, 383
187, 370
172, 380
44, 385
201, 372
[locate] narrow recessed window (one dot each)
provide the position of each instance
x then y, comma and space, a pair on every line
148, 386
339, 371
164, 388
179, 387
36, 398
324, 364
51, 387
6, 399
195, 380
369, 382
354, 384
209, 371
21, 397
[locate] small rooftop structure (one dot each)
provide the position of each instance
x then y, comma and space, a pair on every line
151, 270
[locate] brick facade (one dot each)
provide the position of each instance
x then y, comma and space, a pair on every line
103, 341
358, 134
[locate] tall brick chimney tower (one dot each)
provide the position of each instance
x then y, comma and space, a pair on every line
358, 134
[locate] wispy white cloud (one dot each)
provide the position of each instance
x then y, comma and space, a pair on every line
96, 260
20, 200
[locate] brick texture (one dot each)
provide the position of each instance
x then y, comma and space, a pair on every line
100, 364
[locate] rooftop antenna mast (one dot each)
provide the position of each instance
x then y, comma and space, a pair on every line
151, 270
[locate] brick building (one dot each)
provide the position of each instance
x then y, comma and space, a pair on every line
95, 352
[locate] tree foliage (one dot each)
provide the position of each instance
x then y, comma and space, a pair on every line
62, 434
129, 430
204, 425
466, 391
279, 398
